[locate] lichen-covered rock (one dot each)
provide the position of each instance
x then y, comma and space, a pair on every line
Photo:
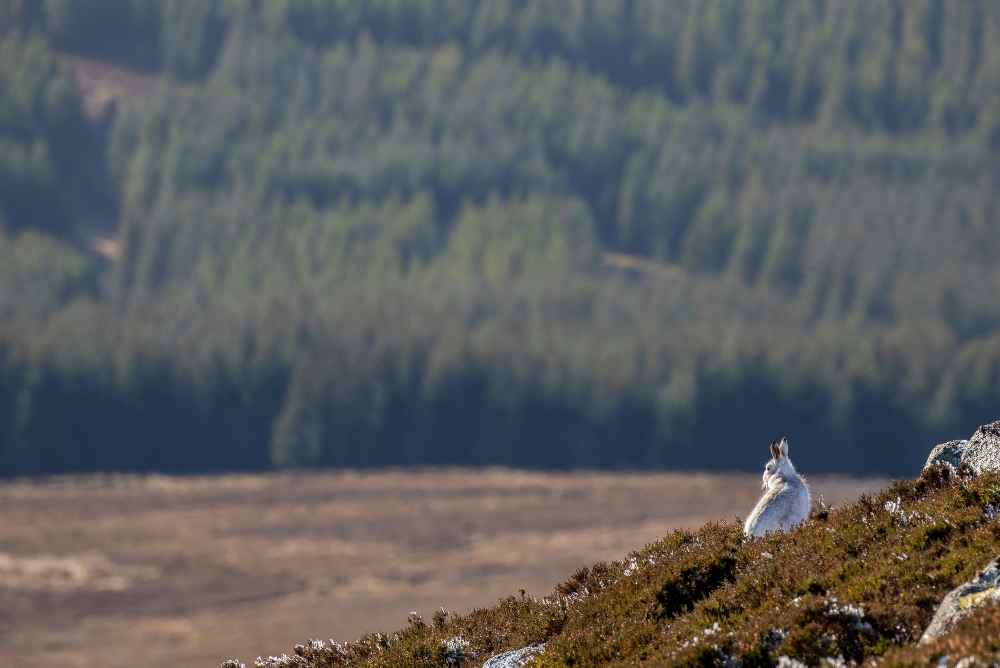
962, 600
983, 451
515, 658
949, 453
456, 651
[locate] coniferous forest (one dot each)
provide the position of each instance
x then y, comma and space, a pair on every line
539, 233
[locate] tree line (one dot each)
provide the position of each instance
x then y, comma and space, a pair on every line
529, 232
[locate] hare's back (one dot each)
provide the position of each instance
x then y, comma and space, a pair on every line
783, 507
791, 499
796, 497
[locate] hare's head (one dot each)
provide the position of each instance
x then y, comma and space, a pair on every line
779, 462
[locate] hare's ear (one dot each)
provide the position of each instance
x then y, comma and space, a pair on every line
784, 446
775, 452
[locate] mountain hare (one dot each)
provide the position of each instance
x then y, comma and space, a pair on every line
786, 501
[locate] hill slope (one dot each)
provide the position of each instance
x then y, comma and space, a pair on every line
857, 585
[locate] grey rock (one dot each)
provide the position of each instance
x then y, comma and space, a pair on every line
515, 658
963, 600
949, 453
456, 651
833, 662
785, 661
983, 451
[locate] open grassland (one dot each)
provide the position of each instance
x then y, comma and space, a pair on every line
160, 571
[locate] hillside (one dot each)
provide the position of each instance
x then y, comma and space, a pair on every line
538, 233
857, 585
188, 571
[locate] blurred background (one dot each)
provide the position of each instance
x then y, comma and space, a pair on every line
241, 236
543, 233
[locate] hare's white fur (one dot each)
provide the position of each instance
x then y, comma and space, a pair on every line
785, 503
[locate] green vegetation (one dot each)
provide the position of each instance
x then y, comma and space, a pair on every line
852, 584
45, 144
565, 233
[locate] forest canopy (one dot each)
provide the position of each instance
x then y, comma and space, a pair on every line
548, 233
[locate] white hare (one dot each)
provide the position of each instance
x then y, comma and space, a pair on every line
785, 503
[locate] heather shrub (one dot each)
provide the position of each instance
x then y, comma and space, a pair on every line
852, 584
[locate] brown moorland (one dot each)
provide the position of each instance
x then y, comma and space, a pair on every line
853, 586
117, 570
